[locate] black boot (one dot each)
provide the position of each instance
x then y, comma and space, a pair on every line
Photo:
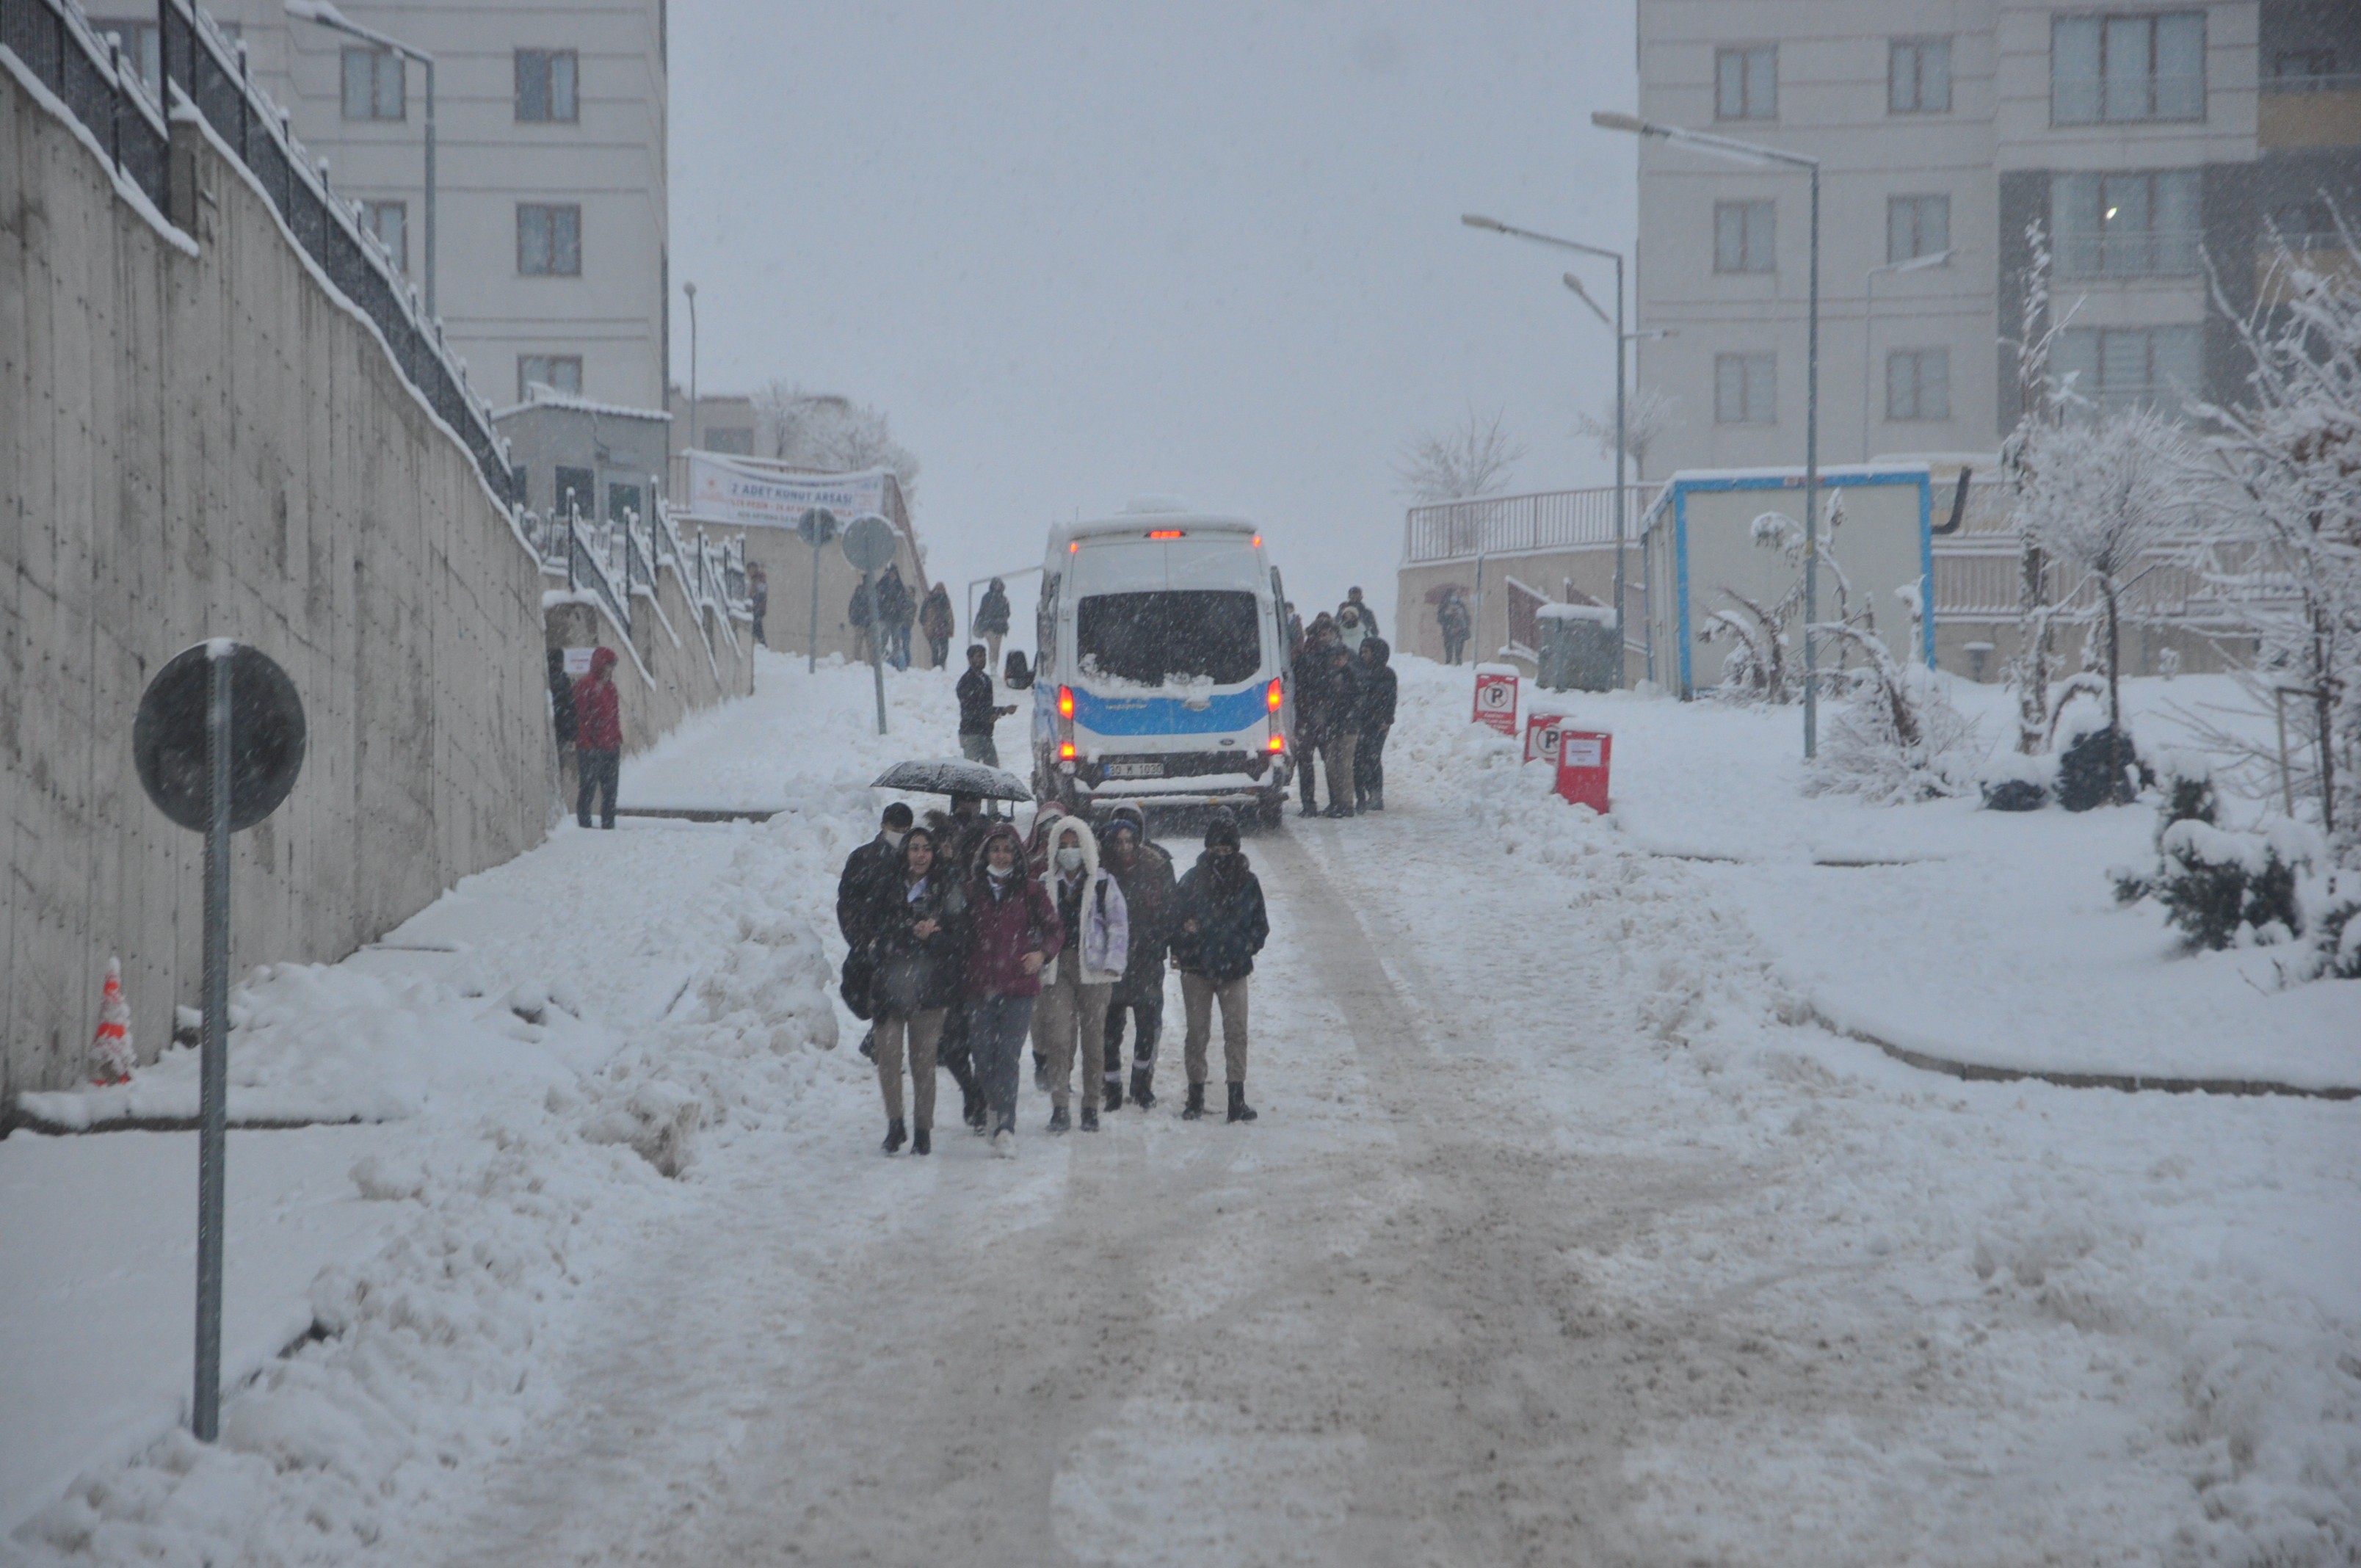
869, 1043
1090, 1115
1060, 1121
922, 1141
894, 1136
1115, 1094
1239, 1110
1141, 1095
1196, 1106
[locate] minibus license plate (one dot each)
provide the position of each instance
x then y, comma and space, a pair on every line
1135, 770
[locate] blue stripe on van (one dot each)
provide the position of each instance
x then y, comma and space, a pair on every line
1167, 714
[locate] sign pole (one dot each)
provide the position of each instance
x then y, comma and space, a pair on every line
876, 647
811, 649
213, 1135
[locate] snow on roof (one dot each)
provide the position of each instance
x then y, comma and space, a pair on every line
1600, 613
538, 396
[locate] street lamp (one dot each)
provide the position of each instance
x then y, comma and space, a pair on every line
1477, 221
1749, 152
690, 290
1868, 322
325, 13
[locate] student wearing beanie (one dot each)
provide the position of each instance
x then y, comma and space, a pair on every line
1220, 924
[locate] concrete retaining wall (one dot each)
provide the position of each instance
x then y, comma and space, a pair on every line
214, 445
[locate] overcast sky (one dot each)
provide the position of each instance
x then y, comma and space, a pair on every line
1080, 253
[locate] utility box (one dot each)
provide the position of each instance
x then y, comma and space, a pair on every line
1699, 547
1577, 648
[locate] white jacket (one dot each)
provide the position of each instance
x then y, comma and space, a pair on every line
1103, 946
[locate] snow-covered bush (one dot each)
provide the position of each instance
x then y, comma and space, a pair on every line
2219, 887
2334, 922
2014, 781
1898, 738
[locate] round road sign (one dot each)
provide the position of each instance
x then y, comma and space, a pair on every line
267, 736
869, 543
817, 525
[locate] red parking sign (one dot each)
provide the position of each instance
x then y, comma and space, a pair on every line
1496, 698
1540, 737
1583, 758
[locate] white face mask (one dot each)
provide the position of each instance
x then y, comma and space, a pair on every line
895, 837
999, 873
1069, 860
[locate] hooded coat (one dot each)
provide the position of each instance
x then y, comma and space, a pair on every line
1148, 896
597, 709
991, 610
1380, 687
1099, 937
1231, 925
1004, 926
915, 973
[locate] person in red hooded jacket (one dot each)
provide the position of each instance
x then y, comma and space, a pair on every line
598, 737
1012, 930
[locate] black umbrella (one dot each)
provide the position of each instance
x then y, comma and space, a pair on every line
949, 775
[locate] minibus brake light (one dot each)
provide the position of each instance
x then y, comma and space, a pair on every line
1278, 742
1167, 533
1065, 702
1275, 695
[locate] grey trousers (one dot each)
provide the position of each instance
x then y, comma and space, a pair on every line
1198, 995
1073, 1012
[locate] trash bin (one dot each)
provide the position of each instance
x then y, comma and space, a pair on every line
1579, 651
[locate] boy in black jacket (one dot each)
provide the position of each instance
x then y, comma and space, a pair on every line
1220, 927
1379, 688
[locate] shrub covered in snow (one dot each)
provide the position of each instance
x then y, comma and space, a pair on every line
2015, 782
1898, 738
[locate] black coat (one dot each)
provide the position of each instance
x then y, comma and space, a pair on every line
992, 612
975, 690
1340, 699
866, 869
1380, 689
915, 973
1149, 897
1231, 924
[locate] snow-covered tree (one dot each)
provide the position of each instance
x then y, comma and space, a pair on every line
830, 434
1647, 415
1459, 463
2042, 404
2287, 531
2103, 493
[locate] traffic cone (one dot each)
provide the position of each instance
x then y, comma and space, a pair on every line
111, 1055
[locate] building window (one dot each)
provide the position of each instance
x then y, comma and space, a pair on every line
1744, 236
2305, 226
1916, 226
2127, 67
1918, 76
549, 240
1746, 84
577, 489
545, 84
2137, 225
2118, 368
1745, 388
389, 221
142, 45
622, 500
2292, 70
1918, 384
373, 85
558, 372
738, 442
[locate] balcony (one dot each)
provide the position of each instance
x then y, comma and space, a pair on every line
2303, 110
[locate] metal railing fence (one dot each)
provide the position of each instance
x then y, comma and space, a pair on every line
1503, 525
57, 44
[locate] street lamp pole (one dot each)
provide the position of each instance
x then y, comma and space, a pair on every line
1869, 321
690, 288
1751, 153
326, 14
1477, 221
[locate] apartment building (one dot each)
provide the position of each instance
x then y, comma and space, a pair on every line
551, 200
2144, 139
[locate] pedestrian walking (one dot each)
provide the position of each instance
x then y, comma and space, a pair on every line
1037, 865
1450, 619
1380, 689
1311, 670
977, 714
958, 836
1076, 986
918, 949
992, 618
866, 870
1294, 633
598, 738
1340, 725
758, 594
1143, 870
1360, 607
935, 621
858, 612
896, 610
1221, 926
1351, 630
1012, 931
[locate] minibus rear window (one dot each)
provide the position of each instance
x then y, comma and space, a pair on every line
1175, 633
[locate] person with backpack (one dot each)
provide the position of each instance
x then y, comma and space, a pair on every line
1143, 870
1222, 925
1074, 989
867, 870
1012, 931
917, 919
1381, 693
935, 621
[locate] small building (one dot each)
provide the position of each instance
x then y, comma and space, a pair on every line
1714, 542
571, 450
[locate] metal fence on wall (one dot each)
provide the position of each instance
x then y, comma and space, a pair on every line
1503, 525
103, 90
